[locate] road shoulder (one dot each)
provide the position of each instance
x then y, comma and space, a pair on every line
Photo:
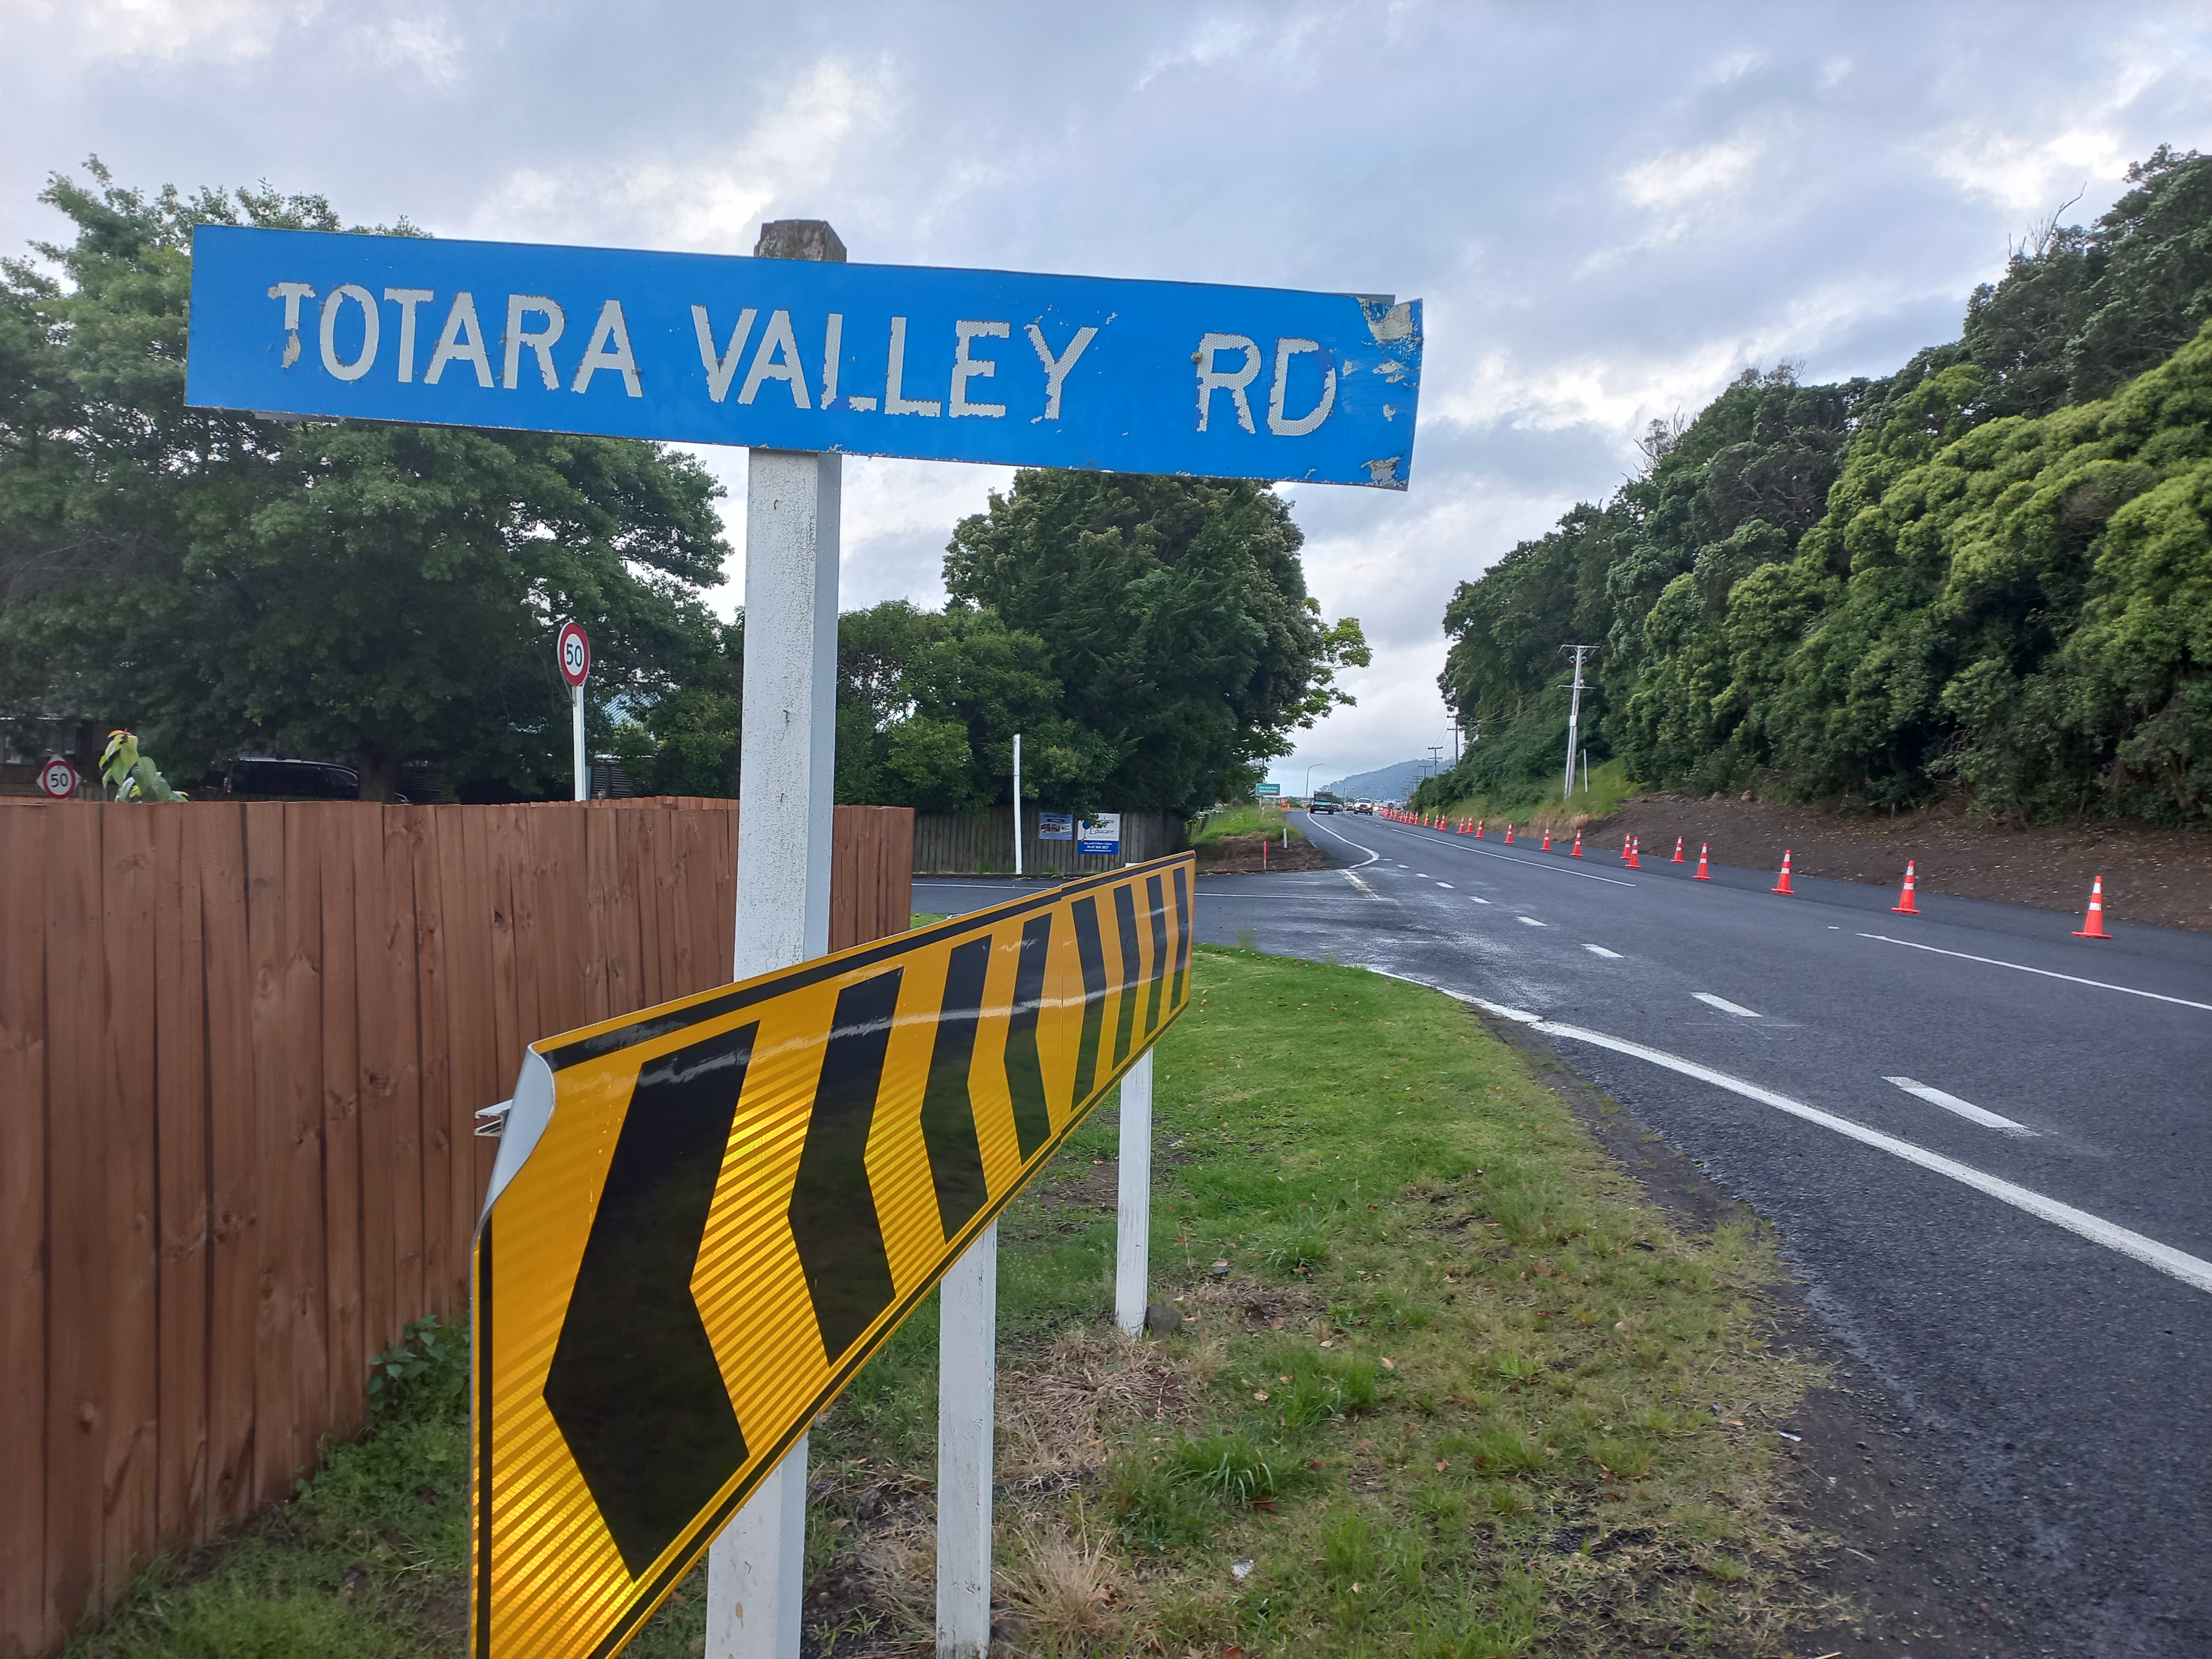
1896, 1544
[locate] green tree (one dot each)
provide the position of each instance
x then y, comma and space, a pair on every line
1174, 614
222, 583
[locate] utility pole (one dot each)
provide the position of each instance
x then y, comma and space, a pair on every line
1575, 709
1435, 764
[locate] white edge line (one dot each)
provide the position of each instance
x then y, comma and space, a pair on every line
2102, 985
1965, 1109
1371, 854
2191, 1270
1725, 1005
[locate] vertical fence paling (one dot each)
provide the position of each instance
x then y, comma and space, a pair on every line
242, 1049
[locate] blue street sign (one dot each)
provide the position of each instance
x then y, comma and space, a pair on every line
783, 354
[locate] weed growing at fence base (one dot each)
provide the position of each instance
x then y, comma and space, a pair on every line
1447, 1387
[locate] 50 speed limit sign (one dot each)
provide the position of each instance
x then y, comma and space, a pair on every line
576, 653
57, 778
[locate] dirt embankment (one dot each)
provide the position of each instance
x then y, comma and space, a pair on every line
1241, 855
2158, 876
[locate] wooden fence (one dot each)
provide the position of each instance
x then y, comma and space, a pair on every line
241, 1048
951, 844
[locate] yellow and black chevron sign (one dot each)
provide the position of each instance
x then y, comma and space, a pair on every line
734, 1199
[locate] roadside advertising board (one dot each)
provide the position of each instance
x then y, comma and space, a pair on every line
1102, 833
707, 1216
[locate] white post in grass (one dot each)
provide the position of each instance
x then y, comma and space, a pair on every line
967, 1384
583, 766
1017, 806
1133, 1233
757, 1566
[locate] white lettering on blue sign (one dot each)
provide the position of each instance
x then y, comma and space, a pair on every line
1131, 376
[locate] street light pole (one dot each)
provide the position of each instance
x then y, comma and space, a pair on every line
1309, 785
1575, 710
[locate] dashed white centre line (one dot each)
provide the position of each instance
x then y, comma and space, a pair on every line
1471, 899
1965, 1109
1600, 950
1421, 875
1531, 920
1446, 885
1724, 1005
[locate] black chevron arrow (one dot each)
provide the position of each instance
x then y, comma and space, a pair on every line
634, 1384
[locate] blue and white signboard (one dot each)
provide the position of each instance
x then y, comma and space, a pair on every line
937, 364
1100, 835
1055, 826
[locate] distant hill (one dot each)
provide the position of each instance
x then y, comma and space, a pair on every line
1384, 783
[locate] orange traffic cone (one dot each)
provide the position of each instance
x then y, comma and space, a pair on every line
1704, 874
1509, 832
2093, 926
1478, 829
1546, 846
1625, 842
1782, 885
1678, 850
1904, 906
1577, 853
1635, 852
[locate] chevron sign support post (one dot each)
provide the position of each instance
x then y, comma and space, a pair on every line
706, 1217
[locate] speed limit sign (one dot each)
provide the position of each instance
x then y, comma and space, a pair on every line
57, 778
576, 653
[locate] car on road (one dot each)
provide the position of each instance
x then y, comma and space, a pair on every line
1326, 803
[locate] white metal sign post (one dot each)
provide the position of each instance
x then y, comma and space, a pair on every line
574, 650
787, 763
57, 779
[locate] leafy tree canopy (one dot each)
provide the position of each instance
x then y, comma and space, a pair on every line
1173, 614
1987, 570
224, 583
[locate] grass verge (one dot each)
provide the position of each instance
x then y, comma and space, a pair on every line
1448, 1386
1547, 807
1229, 823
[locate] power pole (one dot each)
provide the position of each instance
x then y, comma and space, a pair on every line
1575, 709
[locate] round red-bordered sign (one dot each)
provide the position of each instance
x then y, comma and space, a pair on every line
57, 778
574, 652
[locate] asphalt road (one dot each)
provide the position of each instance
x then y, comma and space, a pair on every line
2019, 1250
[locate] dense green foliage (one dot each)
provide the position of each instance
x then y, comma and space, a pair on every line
1992, 570
1149, 639
223, 584
229, 585
1174, 614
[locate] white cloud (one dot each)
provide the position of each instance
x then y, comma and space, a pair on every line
2027, 175
1674, 181
230, 30
793, 152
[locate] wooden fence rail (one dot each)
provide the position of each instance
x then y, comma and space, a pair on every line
242, 1049
952, 844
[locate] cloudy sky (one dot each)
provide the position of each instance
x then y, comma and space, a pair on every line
1610, 209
